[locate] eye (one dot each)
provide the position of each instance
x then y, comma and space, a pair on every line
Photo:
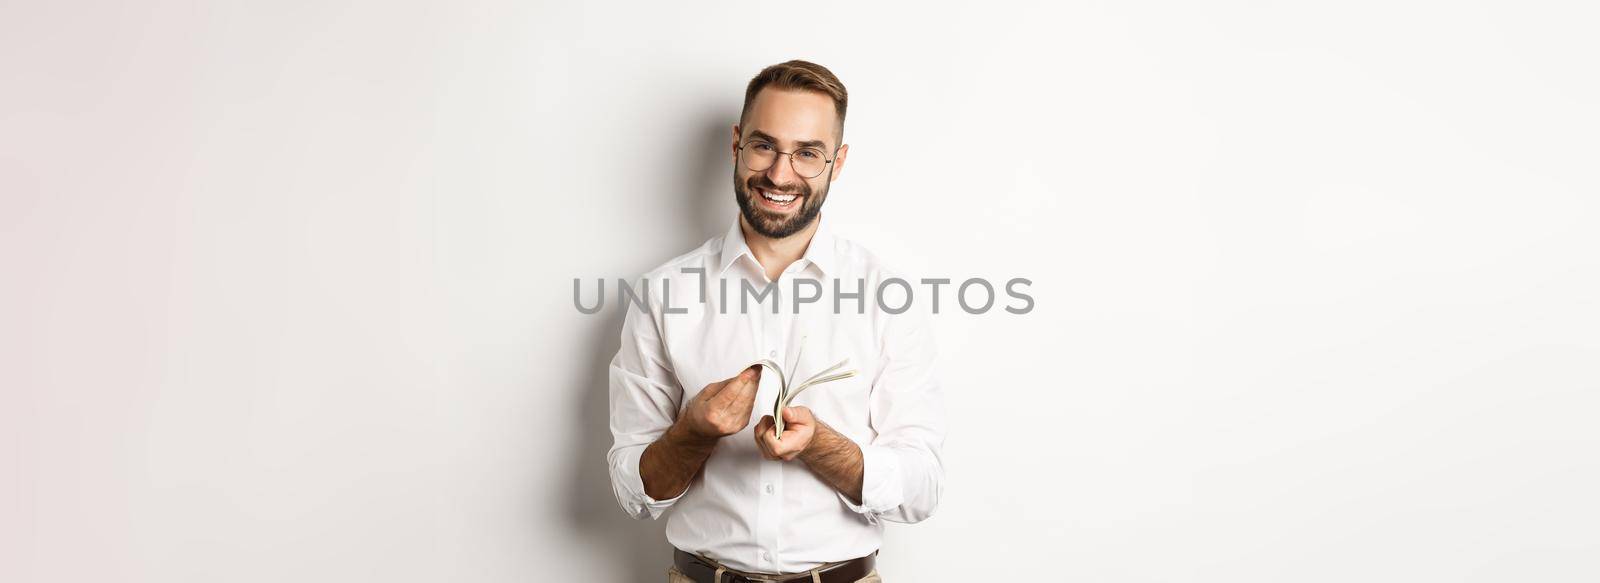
761, 146
813, 154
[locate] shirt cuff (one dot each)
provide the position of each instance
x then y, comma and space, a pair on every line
880, 483
636, 502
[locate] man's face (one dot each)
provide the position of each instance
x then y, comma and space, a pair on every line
785, 121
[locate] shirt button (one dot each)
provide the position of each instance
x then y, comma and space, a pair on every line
772, 353
769, 488
766, 556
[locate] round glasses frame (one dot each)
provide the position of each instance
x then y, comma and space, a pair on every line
826, 162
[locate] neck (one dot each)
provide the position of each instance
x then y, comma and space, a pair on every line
775, 255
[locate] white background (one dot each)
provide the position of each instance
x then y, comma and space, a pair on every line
287, 286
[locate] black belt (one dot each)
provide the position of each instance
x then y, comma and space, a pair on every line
702, 570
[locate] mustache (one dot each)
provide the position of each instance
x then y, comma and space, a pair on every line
762, 182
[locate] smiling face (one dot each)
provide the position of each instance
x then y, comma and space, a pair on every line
779, 202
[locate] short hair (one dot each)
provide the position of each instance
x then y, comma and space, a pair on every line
800, 76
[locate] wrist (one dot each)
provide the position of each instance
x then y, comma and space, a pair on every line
825, 442
682, 434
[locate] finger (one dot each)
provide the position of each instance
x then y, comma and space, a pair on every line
734, 388
783, 445
796, 416
764, 441
712, 390
761, 445
771, 444
764, 434
741, 394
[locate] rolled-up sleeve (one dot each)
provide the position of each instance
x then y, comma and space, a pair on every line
644, 400
902, 470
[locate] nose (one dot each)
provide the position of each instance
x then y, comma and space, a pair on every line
782, 171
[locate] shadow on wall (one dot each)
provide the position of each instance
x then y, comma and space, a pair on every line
640, 546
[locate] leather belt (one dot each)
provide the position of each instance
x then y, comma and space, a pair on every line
702, 570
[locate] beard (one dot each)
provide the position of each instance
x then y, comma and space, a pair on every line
775, 225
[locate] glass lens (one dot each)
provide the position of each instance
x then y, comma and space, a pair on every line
808, 162
758, 156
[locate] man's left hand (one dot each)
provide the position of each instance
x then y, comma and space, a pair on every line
799, 425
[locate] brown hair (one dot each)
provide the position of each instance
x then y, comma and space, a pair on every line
800, 76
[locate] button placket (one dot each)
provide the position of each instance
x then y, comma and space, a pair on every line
769, 512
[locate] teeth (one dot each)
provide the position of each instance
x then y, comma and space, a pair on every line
778, 198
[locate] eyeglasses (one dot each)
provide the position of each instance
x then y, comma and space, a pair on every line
759, 156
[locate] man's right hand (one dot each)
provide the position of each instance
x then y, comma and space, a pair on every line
722, 408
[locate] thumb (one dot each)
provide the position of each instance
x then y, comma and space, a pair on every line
791, 415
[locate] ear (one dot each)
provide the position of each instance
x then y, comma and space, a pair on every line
733, 147
838, 161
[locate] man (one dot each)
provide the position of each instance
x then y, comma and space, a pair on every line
806, 504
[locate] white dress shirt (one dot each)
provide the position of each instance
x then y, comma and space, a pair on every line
748, 512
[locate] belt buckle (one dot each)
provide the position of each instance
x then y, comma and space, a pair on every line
738, 578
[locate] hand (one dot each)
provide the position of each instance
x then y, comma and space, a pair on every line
799, 425
722, 408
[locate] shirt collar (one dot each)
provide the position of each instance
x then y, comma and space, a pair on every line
819, 252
